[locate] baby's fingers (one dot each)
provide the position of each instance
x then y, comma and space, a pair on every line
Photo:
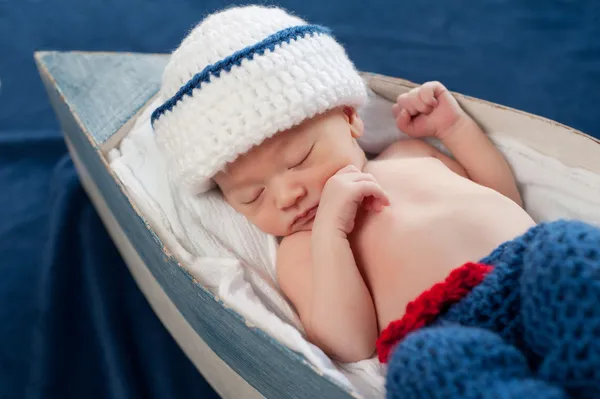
348, 169
403, 121
427, 93
367, 188
417, 102
404, 102
373, 204
368, 203
377, 205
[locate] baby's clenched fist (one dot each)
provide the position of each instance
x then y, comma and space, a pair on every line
342, 195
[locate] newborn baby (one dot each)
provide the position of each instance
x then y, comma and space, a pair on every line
430, 259
363, 238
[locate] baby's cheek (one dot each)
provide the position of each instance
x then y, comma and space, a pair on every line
322, 172
331, 168
269, 221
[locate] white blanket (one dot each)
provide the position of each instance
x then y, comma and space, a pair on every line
236, 261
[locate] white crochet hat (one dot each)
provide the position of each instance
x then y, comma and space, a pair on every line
239, 77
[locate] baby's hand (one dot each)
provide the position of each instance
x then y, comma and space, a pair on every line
427, 111
343, 193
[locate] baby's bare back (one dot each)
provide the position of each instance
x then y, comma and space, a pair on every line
437, 221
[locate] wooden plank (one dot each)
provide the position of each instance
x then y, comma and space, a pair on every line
104, 89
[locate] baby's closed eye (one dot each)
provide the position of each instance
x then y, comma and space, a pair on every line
251, 197
300, 157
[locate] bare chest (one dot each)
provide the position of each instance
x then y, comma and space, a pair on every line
436, 222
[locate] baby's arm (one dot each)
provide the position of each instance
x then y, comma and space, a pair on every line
317, 271
481, 159
329, 294
430, 110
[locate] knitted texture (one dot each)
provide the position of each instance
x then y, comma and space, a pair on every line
429, 305
539, 304
462, 362
239, 77
495, 304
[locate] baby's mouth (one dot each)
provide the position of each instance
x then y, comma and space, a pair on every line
305, 217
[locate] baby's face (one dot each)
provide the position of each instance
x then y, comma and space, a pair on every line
278, 184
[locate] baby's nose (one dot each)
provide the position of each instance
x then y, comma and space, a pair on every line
289, 194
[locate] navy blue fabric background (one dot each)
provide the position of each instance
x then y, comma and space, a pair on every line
72, 321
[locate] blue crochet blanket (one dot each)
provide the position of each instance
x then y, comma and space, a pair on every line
530, 329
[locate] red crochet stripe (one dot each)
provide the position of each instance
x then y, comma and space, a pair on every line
430, 304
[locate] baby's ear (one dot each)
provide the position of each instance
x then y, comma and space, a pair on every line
357, 127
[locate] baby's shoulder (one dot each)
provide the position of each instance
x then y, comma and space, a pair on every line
407, 148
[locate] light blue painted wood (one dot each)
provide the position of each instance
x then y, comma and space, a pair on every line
104, 88
272, 369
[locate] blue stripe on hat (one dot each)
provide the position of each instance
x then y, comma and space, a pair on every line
236, 58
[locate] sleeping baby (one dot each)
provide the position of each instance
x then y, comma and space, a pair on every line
427, 260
